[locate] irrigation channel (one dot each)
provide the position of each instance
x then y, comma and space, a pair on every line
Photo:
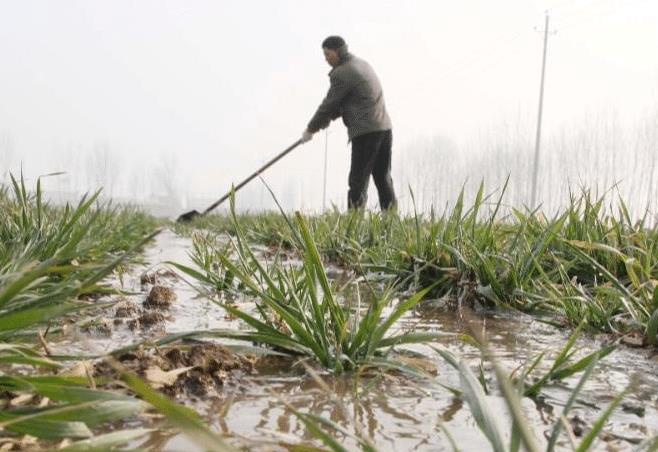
249, 401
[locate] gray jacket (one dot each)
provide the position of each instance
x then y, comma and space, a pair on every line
356, 95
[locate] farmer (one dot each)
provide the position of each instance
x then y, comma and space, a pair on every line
356, 95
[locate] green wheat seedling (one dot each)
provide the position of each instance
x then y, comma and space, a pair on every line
584, 261
49, 258
299, 310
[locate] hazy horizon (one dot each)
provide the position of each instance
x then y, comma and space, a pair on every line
180, 99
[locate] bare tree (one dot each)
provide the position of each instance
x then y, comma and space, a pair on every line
102, 169
166, 181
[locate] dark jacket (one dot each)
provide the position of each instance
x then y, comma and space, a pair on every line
356, 95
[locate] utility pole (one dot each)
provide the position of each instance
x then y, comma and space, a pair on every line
324, 184
535, 173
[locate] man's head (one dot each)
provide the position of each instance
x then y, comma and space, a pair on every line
334, 49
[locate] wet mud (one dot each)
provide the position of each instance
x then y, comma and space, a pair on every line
199, 370
160, 297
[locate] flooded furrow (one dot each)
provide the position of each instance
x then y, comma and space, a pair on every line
396, 411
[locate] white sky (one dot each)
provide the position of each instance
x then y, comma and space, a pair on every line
217, 87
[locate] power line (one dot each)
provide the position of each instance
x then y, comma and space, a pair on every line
489, 53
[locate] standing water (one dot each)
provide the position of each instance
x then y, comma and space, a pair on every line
396, 411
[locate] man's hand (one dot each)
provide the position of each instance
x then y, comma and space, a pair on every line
306, 136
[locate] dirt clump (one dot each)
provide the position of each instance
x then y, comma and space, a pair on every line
160, 297
634, 339
578, 426
199, 370
211, 365
151, 318
18, 443
126, 309
147, 319
155, 277
147, 278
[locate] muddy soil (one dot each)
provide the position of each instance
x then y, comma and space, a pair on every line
160, 297
199, 370
126, 309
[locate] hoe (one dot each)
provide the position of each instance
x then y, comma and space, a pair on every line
189, 216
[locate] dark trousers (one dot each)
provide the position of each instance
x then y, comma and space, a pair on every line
371, 154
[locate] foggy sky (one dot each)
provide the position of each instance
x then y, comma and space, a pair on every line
202, 92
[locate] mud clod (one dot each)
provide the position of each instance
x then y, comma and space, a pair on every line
176, 357
578, 426
212, 366
147, 319
634, 339
129, 356
199, 385
151, 318
154, 277
126, 309
147, 278
160, 297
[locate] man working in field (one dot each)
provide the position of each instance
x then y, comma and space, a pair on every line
356, 94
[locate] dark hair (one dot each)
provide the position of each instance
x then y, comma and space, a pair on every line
333, 43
